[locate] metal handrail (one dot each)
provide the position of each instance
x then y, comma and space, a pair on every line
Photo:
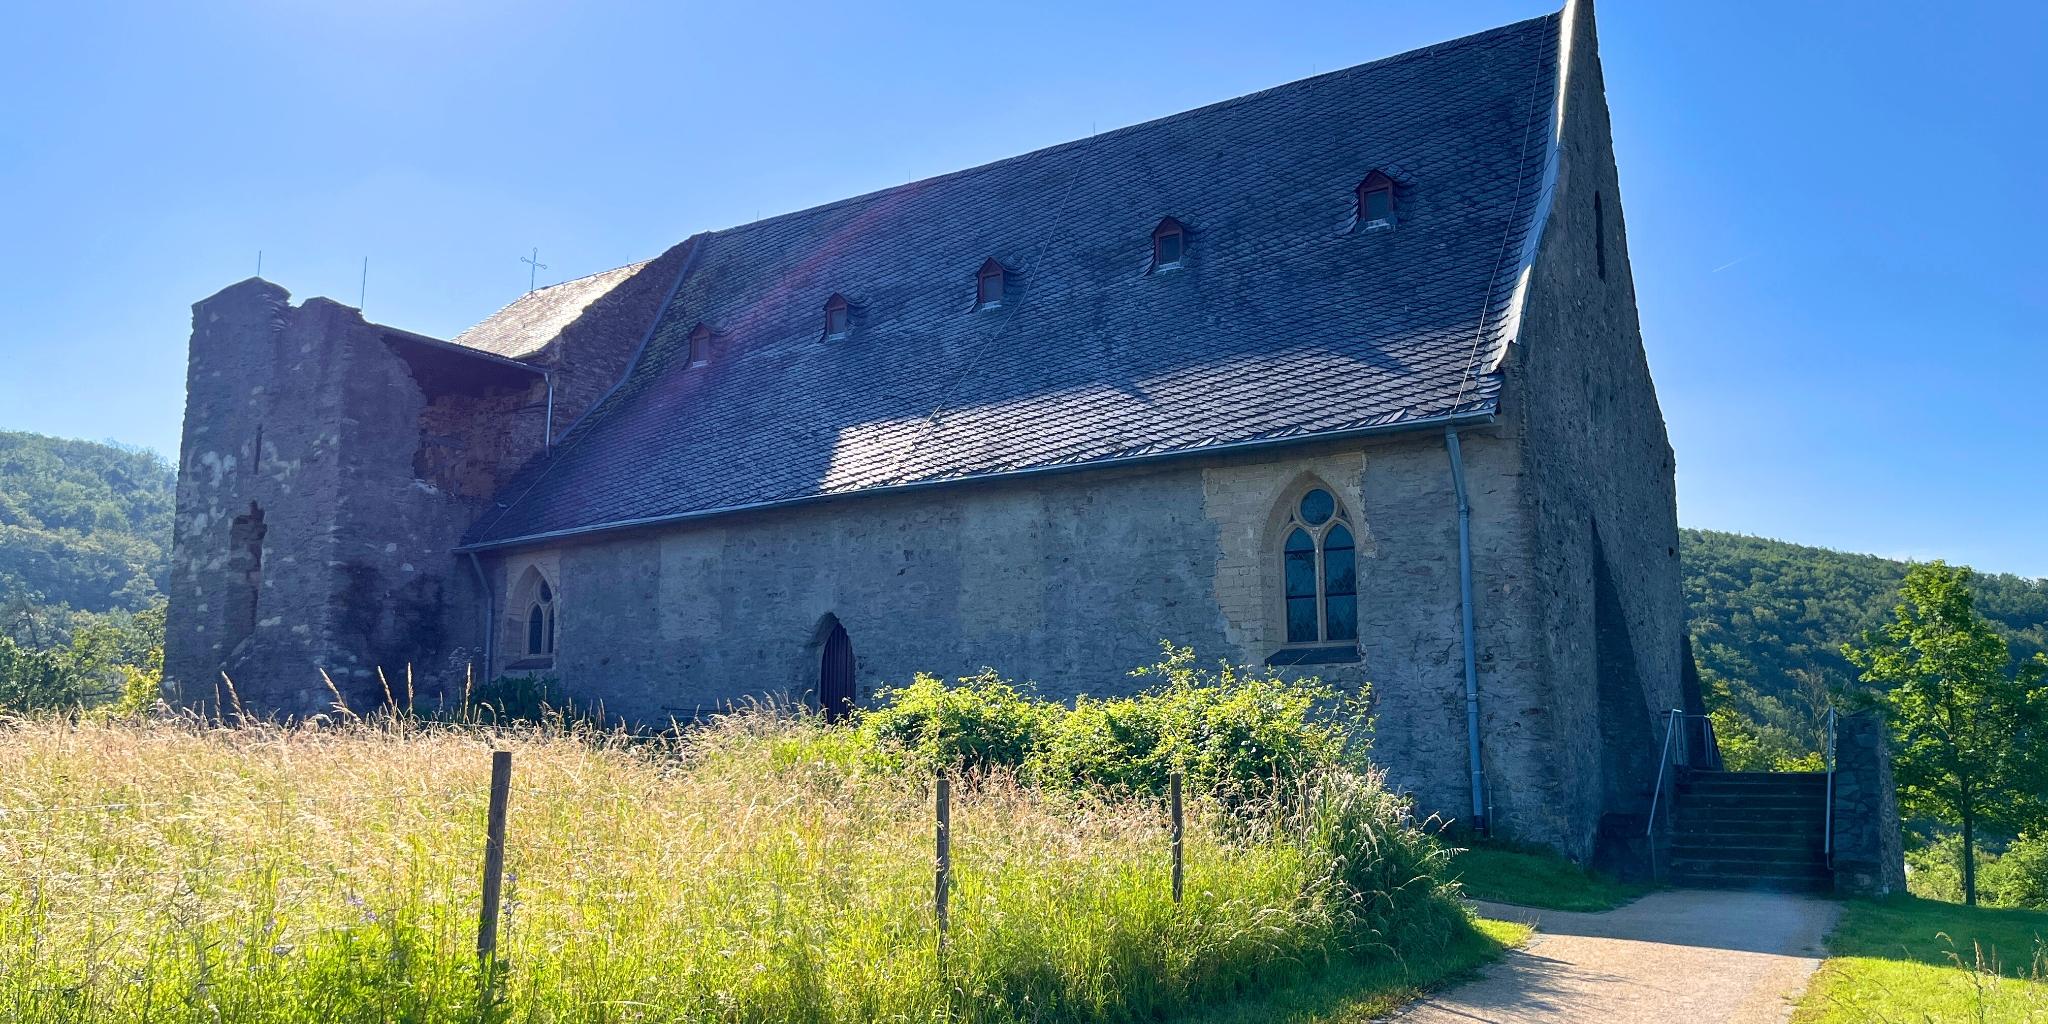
1827, 843
1673, 717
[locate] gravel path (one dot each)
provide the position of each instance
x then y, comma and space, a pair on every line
1676, 957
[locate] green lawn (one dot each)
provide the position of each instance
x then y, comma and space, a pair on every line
1352, 994
1532, 877
1926, 962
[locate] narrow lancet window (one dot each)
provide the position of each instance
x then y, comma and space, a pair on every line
540, 623
1319, 570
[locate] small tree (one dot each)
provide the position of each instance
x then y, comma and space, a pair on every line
1969, 727
32, 680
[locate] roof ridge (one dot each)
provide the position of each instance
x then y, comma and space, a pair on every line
1415, 54
523, 296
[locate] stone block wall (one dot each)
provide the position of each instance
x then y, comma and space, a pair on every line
1607, 615
328, 468
1869, 855
1068, 581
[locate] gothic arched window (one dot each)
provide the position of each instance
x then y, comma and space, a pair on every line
540, 623
1319, 563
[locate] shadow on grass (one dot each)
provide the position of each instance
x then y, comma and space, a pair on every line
1353, 993
1530, 876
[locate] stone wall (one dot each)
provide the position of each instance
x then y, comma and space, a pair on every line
1605, 616
327, 471
596, 349
1069, 581
1868, 855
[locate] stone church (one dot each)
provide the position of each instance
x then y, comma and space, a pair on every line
1344, 376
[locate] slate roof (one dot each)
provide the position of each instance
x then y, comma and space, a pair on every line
524, 327
1286, 321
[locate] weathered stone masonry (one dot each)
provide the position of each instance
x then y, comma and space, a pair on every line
332, 468
363, 452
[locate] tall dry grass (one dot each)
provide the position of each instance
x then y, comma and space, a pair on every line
756, 871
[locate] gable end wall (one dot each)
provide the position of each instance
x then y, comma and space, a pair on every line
1598, 471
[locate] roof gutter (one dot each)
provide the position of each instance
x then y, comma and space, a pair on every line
1446, 422
401, 334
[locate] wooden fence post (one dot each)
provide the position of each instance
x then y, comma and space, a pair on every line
1174, 790
494, 856
943, 865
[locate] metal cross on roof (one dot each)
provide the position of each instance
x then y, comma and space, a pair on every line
533, 267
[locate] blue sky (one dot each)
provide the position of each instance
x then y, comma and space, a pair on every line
1836, 212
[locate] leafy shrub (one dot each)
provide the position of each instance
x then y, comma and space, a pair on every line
93, 660
1231, 731
509, 699
983, 722
2017, 877
2021, 875
32, 680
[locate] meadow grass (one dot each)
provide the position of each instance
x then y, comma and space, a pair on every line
1907, 960
756, 870
1536, 877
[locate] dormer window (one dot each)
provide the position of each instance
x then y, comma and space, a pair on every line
838, 317
700, 345
1169, 244
988, 285
1376, 201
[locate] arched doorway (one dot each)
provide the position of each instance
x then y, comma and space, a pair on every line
835, 674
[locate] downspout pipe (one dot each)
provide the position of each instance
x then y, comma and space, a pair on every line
483, 584
1479, 823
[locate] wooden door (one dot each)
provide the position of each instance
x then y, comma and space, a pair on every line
835, 675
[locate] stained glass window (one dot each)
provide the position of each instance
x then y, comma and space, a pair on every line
1319, 567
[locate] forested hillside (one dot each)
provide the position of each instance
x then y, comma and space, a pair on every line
83, 526
1769, 619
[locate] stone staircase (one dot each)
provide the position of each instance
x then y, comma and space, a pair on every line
1751, 830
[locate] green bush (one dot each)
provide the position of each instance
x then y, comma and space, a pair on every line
982, 723
2021, 878
2016, 877
1231, 731
33, 680
509, 699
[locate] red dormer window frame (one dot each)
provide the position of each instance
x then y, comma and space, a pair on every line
1169, 239
838, 316
988, 285
1376, 200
